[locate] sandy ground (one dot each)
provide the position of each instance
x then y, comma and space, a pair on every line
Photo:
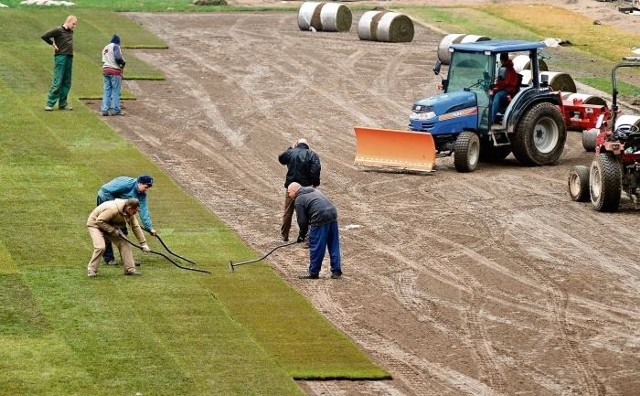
489, 283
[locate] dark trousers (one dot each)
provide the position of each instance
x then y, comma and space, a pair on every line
320, 238
61, 81
287, 216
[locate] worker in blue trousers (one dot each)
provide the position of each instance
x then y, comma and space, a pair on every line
316, 214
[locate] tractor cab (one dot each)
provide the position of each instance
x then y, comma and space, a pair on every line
466, 101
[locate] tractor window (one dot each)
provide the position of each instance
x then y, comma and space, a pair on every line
473, 72
470, 71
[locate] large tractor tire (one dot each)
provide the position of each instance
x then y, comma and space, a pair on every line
589, 139
578, 185
605, 182
540, 135
493, 154
466, 152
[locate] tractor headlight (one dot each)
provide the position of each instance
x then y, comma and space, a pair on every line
422, 116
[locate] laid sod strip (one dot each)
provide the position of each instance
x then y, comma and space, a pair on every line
167, 332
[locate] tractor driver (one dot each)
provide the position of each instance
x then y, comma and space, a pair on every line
506, 84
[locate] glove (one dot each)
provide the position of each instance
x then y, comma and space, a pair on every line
300, 239
153, 232
145, 247
120, 233
123, 64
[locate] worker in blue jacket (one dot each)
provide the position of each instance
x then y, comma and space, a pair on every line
125, 187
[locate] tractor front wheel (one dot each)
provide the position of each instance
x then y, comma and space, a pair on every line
578, 185
605, 182
540, 135
466, 152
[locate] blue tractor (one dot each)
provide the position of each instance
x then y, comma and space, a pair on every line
531, 124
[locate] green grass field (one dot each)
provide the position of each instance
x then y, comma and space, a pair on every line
169, 332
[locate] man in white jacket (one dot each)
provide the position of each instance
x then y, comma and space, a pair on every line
112, 66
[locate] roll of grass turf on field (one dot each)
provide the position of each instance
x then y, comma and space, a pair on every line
522, 62
444, 56
583, 98
559, 81
628, 119
324, 17
385, 26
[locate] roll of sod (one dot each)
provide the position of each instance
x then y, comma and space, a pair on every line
522, 62
583, 98
558, 81
324, 17
385, 26
444, 56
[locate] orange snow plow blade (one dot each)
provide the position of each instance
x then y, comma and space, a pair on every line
388, 148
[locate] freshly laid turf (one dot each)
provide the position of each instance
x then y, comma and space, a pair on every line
169, 332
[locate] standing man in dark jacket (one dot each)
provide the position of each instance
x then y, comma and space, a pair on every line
303, 167
61, 39
317, 214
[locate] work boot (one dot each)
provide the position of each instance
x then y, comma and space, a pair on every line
336, 275
134, 272
111, 262
308, 276
92, 274
65, 107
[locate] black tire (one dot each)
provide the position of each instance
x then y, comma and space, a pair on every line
466, 152
589, 139
578, 183
540, 135
605, 182
492, 154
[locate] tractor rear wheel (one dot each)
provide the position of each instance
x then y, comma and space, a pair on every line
466, 152
605, 182
579, 183
540, 135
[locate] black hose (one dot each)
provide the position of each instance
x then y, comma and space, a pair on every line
169, 250
166, 257
232, 265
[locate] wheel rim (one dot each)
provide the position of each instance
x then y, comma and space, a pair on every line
546, 135
574, 185
474, 152
595, 183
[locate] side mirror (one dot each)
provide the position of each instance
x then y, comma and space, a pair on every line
544, 80
436, 67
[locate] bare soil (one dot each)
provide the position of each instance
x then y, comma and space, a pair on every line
493, 282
